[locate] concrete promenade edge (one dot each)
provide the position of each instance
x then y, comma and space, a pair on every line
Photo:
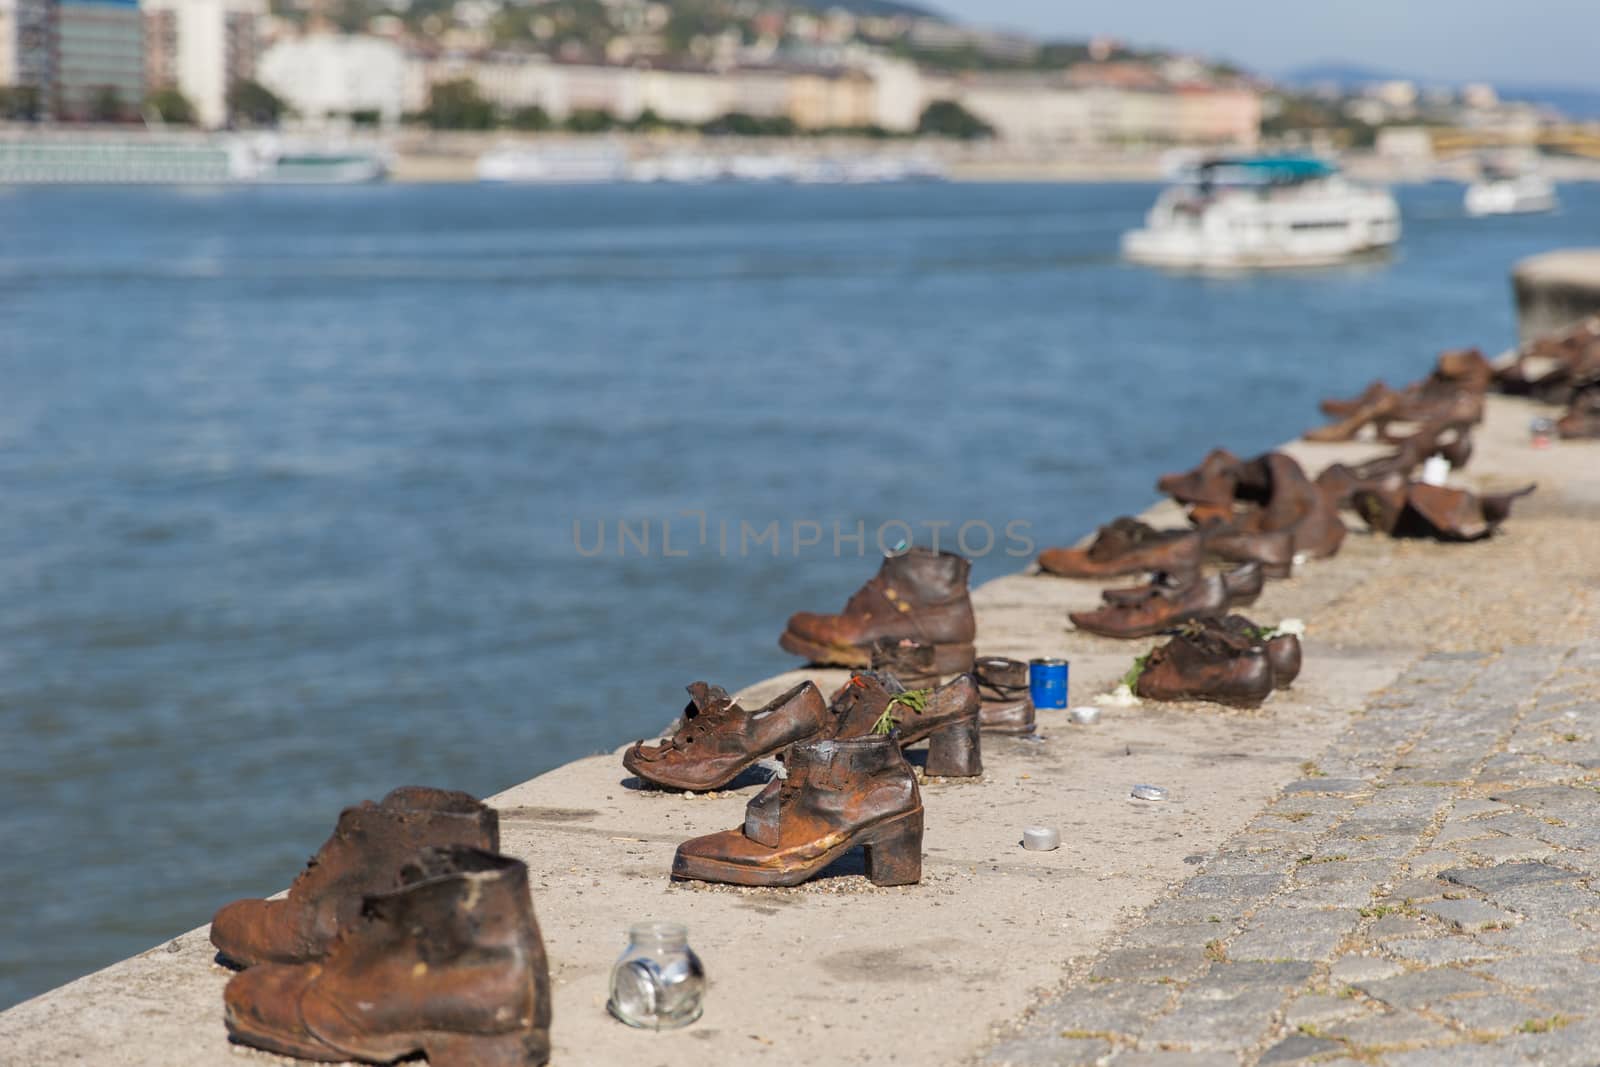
1393, 862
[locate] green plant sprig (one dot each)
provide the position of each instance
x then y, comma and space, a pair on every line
1131, 679
915, 699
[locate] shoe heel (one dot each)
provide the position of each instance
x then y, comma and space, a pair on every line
894, 851
955, 751
954, 659
524, 1048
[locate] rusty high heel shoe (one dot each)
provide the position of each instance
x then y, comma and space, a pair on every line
947, 717
838, 794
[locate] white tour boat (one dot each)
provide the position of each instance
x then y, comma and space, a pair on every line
1503, 192
555, 163
275, 159
1268, 211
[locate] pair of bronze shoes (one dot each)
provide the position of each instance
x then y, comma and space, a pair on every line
1228, 660
1129, 546
1263, 509
1452, 393
1166, 602
850, 786
1453, 442
407, 932
718, 739
1005, 702
1440, 513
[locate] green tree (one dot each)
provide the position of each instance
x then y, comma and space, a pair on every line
252, 104
171, 106
741, 124
20, 103
457, 105
366, 116
648, 120
591, 120
532, 117
105, 105
946, 118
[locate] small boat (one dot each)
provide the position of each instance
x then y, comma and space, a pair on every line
1500, 191
273, 159
1263, 211
566, 163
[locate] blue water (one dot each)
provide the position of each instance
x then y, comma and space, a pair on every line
289, 476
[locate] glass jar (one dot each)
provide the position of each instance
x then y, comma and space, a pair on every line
658, 982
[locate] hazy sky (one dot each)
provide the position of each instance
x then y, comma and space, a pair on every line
1545, 42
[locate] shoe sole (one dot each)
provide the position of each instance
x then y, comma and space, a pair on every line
886, 834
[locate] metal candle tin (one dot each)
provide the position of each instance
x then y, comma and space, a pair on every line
1041, 838
1047, 682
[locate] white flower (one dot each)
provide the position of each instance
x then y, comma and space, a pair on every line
1297, 627
1120, 697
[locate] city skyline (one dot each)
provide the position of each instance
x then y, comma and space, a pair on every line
1534, 44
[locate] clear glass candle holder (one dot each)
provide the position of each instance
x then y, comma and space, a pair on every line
658, 982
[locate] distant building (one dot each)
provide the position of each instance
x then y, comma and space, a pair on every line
99, 59
331, 76
900, 93
27, 47
1032, 109
827, 98
202, 48
1048, 111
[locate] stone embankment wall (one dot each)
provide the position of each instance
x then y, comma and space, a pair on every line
1556, 289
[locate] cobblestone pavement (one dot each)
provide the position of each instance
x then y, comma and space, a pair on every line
1429, 893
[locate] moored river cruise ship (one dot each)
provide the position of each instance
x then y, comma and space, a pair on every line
1260, 212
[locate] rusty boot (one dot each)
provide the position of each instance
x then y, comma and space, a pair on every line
450, 964
1203, 663
947, 717
920, 594
1007, 703
369, 846
719, 739
838, 794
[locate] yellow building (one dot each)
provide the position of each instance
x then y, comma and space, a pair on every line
820, 99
